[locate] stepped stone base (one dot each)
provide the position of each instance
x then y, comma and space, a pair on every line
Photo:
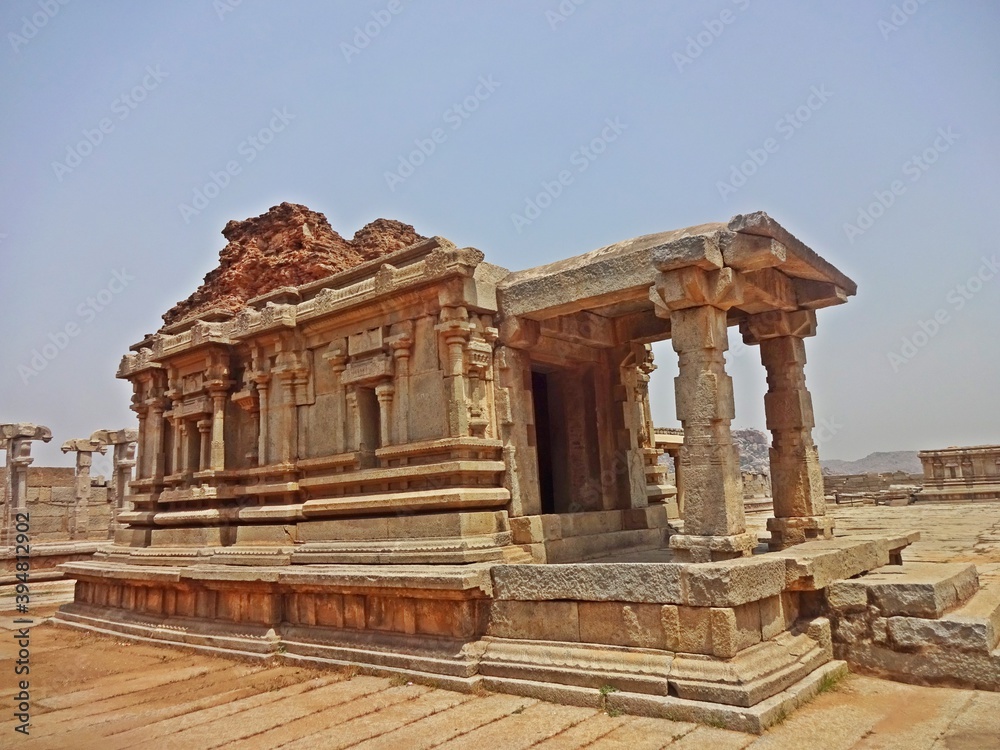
923, 623
735, 642
46, 557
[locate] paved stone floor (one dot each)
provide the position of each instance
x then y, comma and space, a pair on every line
91, 691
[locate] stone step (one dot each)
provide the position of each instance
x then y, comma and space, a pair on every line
974, 626
913, 590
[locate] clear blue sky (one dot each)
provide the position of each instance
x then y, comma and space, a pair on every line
847, 92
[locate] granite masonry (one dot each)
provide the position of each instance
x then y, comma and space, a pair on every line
427, 465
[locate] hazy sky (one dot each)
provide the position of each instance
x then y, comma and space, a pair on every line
132, 132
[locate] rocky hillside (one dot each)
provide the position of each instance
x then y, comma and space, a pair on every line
875, 463
287, 246
753, 446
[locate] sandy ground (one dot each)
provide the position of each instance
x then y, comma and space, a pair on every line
91, 691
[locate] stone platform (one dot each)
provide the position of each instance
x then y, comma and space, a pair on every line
736, 642
115, 693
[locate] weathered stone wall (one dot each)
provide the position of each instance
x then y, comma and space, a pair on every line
51, 504
756, 484
833, 483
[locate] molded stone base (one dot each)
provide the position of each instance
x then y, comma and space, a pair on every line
788, 531
694, 548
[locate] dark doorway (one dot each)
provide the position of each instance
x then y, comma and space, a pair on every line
543, 440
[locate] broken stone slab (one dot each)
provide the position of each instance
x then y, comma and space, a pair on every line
815, 565
922, 590
948, 667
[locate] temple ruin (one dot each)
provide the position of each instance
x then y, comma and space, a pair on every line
71, 513
961, 474
426, 464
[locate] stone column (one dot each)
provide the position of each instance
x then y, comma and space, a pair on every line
217, 456
286, 371
384, 393
338, 363
796, 480
454, 329
714, 521
16, 439
458, 406
401, 352
154, 423
263, 380
352, 420
182, 452
79, 519
124, 442
204, 444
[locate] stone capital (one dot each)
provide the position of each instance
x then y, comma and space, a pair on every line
696, 287
776, 323
115, 437
25, 431
83, 445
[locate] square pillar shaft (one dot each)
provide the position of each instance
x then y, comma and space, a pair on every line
796, 479
714, 521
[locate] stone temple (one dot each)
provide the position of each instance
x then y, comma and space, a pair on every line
389, 452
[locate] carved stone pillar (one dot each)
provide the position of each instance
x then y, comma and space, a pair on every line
458, 410
124, 442
337, 357
454, 328
384, 393
79, 517
154, 424
16, 439
714, 521
401, 352
263, 381
796, 479
204, 444
181, 451
287, 371
353, 420
217, 455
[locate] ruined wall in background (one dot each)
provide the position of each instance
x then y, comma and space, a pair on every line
51, 503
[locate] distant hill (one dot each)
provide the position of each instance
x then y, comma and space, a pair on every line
875, 463
753, 446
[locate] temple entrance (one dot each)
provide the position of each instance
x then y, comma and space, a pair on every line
543, 439
567, 439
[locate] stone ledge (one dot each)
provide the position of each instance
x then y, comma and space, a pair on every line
472, 578
921, 590
720, 584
